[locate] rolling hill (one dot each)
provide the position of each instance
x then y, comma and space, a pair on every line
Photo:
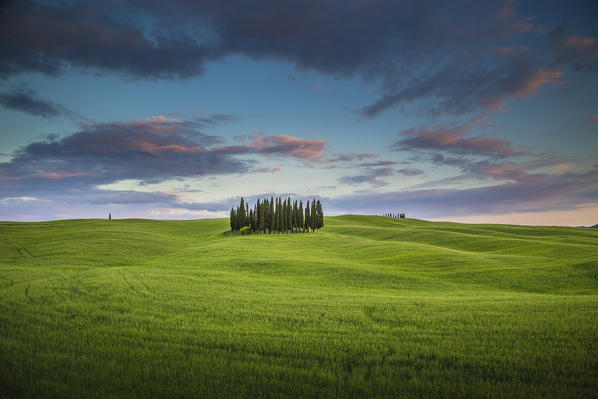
367, 307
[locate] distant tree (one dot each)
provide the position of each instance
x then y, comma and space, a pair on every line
109, 216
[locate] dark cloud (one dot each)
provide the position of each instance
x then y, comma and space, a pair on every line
415, 50
48, 37
410, 171
25, 100
581, 53
370, 177
467, 85
377, 163
214, 119
350, 157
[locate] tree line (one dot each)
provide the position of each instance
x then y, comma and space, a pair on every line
277, 216
395, 215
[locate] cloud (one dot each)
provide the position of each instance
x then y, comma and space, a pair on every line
18, 199
581, 53
511, 49
452, 139
543, 193
214, 119
410, 171
378, 163
282, 145
152, 150
339, 157
371, 177
23, 99
594, 118
387, 41
466, 85
48, 37
277, 168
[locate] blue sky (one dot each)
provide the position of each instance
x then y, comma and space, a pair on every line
453, 111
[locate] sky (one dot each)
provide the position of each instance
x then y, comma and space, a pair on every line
468, 111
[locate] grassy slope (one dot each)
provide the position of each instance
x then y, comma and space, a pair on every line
368, 306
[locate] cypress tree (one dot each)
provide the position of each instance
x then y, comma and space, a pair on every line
261, 220
271, 214
280, 218
241, 214
313, 215
233, 223
294, 215
320, 218
307, 217
283, 219
300, 215
276, 216
289, 212
267, 216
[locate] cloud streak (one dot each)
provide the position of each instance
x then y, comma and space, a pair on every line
453, 139
371, 177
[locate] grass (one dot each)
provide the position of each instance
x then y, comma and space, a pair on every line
367, 307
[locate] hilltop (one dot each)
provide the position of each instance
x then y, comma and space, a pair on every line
366, 307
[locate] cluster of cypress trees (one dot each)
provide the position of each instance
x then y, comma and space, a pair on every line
395, 215
277, 216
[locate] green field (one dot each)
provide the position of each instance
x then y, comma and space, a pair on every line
366, 307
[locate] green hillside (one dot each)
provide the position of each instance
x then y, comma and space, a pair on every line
366, 307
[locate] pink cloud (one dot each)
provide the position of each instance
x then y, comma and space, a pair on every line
576, 41
151, 147
282, 145
47, 175
537, 80
594, 118
452, 138
277, 168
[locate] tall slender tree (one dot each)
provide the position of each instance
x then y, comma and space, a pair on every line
307, 217
313, 215
320, 215
241, 214
271, 213
275, 215
300, 216
261, 219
